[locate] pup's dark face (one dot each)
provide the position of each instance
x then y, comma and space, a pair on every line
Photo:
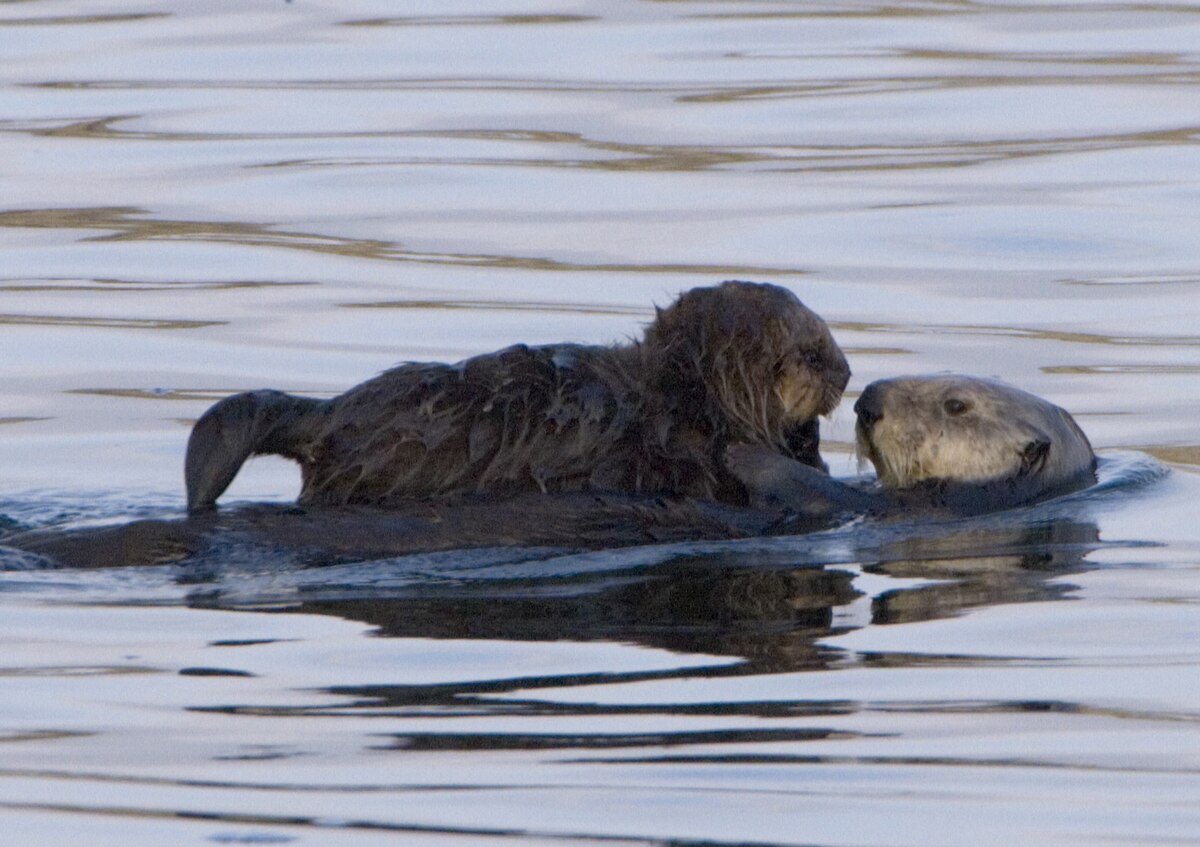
768, 327
768, 361
812, 377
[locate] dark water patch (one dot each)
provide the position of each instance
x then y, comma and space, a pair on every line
1026, 333
932, 761
17, 736
312, 825
503, 698
1032, 707
61, 284
480, 697
862, 86
814, 158
1158, 368
205, 671
367, 83
1094, 61
470, 20
70, 671
770, 616
102, 777
76, 20
104, 323
459, 741
575, 151
261, 753
929, 8
573, 308
942, 8
1135, 280
130, 224
774, 615
206, 395
875, 659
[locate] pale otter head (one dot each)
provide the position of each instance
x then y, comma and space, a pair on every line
753, 353
966, 429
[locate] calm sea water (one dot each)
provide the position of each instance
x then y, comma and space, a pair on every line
200, 198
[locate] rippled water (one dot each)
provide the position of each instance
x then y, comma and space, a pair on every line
201, 198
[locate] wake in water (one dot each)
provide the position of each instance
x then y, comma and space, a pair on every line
234, 569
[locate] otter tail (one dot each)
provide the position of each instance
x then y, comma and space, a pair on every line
238, 427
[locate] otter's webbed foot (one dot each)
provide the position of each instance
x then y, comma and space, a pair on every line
804, 442
777, 483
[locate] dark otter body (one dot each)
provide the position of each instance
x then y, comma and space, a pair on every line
951, 445
320, 535
739, 362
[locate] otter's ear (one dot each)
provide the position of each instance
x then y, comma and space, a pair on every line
1033, 457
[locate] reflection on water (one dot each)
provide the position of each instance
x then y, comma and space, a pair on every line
742, 605
113, 323
25, 284
460, 697
1017, 332
507, 305
129, 225
307, 194
132, 224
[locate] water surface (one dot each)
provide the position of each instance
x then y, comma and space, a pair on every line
200, 199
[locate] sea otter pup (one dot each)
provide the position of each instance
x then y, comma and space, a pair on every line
738, 362
943, 443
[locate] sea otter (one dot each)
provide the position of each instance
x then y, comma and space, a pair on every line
737, 362
943, 443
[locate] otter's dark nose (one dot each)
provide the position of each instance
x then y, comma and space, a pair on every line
869, 406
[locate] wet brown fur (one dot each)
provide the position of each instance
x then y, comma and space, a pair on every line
738, 362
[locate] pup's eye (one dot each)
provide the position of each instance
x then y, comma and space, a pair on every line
812, 358
955, 407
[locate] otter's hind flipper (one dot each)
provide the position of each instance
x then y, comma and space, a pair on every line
238, 427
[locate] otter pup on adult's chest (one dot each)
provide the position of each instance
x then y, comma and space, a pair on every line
944, 443
738, 362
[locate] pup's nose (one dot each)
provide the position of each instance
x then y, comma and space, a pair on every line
869, 406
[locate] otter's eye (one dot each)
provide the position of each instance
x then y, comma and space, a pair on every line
955, 407
812, 359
